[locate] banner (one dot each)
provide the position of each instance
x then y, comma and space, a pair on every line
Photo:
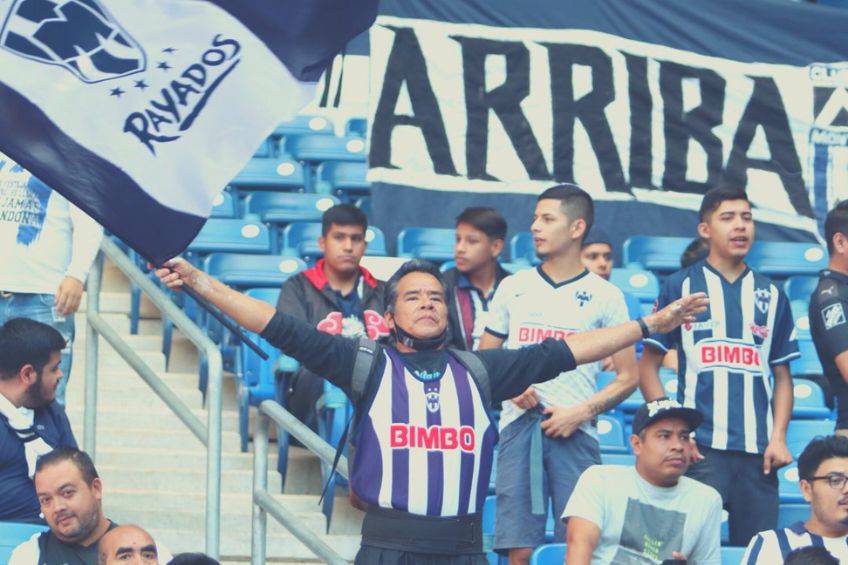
142, 111
645, 104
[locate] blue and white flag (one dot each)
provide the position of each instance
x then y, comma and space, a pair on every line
141, 111
645, 103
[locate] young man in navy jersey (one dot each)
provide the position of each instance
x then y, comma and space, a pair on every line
733, 366
823, 470
548, 433
424, 436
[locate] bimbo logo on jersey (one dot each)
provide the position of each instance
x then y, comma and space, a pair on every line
528, 334
434, 438
732, 354
79, 35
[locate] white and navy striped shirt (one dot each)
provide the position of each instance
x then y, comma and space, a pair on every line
772, 546
726, 355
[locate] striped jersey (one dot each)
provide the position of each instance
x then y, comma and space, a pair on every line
529, 307
726, 355
425, 444
772, 546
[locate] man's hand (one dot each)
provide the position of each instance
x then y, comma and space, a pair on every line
776, 456
677, 313
527, 399
68, 296
564, 421
178, 272
679, 556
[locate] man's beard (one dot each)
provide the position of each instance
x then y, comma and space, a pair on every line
35, 396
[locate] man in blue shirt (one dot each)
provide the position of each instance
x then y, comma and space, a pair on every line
733, 367
32, 423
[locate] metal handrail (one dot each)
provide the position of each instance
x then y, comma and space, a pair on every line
209, 434
264, 504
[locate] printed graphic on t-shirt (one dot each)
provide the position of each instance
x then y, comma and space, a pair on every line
649, 534
23, 201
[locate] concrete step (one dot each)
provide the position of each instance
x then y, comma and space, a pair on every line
183, 458
181, 438
158, 417
237, 525
172, 478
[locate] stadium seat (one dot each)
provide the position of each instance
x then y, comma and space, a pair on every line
334, 411
12, 534
808, 364
655, 253
800, 287
801, 317
800, 433
224, 206
231, 236
302, 237
731, 555
809, 401
357, 126
548, 554
630, 404
625, 459
310, 148
522, 249
789, 514
287, 207
305, 124
789, 486
638, 282
281, 173
489, 511
246, 270
785, 259
432, 244
344, 179
611, 435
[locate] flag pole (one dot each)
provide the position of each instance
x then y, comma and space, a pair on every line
225, 321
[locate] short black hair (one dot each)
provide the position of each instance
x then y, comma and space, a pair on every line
76, 456
820, 449
715, 196
192, 559
575, 202
411, 266
343, 215
697, 249
27, 342
487, 220
836, 222
810, 555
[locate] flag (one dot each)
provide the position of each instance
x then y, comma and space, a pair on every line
140, 111
644, 103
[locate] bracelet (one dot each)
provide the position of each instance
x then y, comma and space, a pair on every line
646, 333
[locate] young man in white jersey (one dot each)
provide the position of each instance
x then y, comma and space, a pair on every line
548, 434
733, 366
823, 470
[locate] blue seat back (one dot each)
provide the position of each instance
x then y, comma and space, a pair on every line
655, 253
731, 555
281, 173
12, 534
258, 374
357, 126
808, 363
788, 514
244, 271
231, 235
640, 283
548, 554
611, 435
316, 148
625, 459
305, 124
432, 244
302, 237
784, 259
522, 249
801, 317
224, 206
800, 433
343, 177
800, 287
789, 484
809, 400
287, 207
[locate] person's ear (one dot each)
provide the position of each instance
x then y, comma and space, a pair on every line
635, 444
28, 374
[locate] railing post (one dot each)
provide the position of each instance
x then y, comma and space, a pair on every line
260, 484
89, 433
214, 408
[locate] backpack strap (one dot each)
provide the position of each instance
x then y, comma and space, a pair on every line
363, 364
477, 369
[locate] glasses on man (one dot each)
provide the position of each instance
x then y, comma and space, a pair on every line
834, 480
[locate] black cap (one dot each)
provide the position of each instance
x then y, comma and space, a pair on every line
662, 408
596, 235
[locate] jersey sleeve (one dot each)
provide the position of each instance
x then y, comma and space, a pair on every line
616, 311
669, 293
831, 322
784, 345
511, 371
587, 498
497, 318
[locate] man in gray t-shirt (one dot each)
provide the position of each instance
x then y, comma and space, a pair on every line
650, 512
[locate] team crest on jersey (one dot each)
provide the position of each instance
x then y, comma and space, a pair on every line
833, 316
432, 397
583, 297
762, 298
78, 35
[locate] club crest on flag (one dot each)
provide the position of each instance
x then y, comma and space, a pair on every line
79, 35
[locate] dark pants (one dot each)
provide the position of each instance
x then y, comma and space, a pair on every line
749, 496
369, 555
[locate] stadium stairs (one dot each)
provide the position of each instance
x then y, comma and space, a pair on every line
153, 468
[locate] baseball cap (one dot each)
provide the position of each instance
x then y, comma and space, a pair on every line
662, 408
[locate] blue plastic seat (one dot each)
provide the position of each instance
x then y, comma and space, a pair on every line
611, 435
248, 271
282, 173
311, 148
12, 534
785, 259
357, 126
625, 459
345, 179
432, 244
224, 206
800, 287
287, 207
788, 514
809, 400
522, 249
800, 433
789, 485
808, 364
231, 236
302, 238
731, 555
305, 124
548, 554
801, 317
655, 253
638, 282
